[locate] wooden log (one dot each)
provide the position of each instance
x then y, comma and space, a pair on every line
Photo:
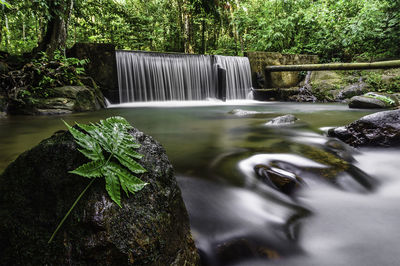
335, 66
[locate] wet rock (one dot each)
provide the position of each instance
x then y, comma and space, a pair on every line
303, 98
248, 113
373, 100
235, 250
352, 90
36, 190
378, 129
60, 100
282, 120
278, 179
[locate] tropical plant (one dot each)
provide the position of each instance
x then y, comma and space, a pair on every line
111, 150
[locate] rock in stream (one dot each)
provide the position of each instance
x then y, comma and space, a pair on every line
378, 129
36, 190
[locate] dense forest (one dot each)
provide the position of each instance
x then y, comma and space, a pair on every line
336, 30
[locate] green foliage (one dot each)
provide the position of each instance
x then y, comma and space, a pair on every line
59, 71
383, 98
111, 150
3, 2
340, 30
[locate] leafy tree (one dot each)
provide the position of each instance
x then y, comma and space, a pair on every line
335, 30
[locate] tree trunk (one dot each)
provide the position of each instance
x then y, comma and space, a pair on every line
203, 36
187, 32
55, 37
335, 66
7, 32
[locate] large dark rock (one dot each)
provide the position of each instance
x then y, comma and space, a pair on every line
60, 100
378, 129
36, 190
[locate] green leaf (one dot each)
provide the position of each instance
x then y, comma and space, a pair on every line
112, 186
92, 149
110, 135
130, 163
91, 169
128, 181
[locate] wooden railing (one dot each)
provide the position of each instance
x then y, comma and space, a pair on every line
335, 66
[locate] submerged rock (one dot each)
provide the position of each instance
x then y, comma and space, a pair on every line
36, 190
248, 113
60, 100
378, 129
278, 179
282, 120
373, 100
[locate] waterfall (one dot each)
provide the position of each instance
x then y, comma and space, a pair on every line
145, 76
238, 76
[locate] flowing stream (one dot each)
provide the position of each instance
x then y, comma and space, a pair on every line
345, 211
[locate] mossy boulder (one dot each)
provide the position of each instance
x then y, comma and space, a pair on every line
36, 190
59, 100
373, 100
378, 129
326, 80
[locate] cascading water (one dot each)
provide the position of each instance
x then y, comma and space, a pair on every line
162, 77
238, 76
145, 77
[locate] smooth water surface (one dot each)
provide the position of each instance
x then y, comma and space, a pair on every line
346, 211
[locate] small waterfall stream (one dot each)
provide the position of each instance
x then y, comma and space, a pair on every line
238, 76
144, 76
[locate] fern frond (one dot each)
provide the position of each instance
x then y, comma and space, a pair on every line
91, 169
132, 153
128, 181
118, 120
112, 186
112, 136
129, 163
92, 149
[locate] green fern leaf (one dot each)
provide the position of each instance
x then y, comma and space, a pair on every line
129, 163
128, 181
112, 186
91, 169
133, 154
112, 136
130, 142
119, 120
92, 149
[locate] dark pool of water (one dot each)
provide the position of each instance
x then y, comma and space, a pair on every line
345, 213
